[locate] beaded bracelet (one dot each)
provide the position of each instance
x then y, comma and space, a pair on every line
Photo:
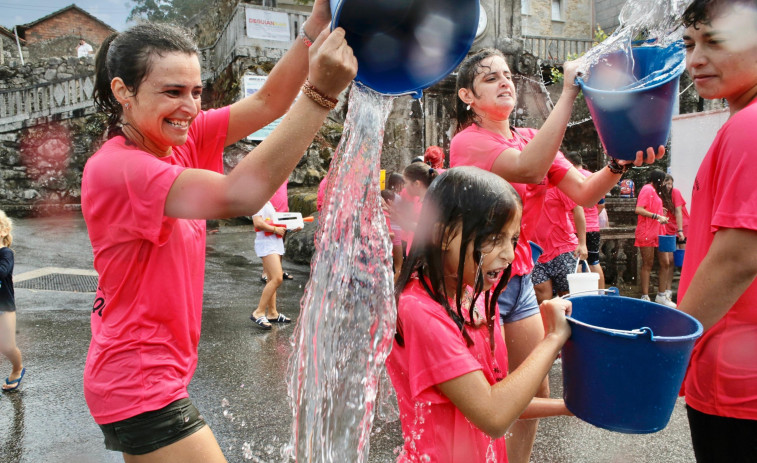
616, 168
305, 37
316, 95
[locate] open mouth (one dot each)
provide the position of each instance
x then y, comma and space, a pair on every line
178, 124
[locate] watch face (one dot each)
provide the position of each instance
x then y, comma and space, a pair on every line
482, 20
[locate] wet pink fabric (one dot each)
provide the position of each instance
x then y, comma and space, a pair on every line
722, 375
475, 146
554, 231
647, 228
434, 352
147, 312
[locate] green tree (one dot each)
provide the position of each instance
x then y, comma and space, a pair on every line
177, 11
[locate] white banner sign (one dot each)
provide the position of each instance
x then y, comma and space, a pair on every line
267, 25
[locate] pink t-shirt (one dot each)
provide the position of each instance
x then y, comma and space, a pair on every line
280, 199
147, 312
554, 232
647, 228
320, 197
671, 228
591, 213
435, 352
476, 146
722, 375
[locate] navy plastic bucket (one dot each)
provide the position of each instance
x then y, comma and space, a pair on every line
629, 120
536, 251
405, 46
625, 361
678, 256
666, 243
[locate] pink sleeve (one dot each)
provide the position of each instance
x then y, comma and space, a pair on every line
559, 169
475, 148
735, 201
205, 143
436, 347
645, 198
678, 198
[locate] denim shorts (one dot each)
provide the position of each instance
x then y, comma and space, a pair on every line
150, 431
518, 300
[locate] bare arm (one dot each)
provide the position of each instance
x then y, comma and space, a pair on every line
493, 408
727, 270
579, 219
202, 194
679, 222
640, 210
280, 89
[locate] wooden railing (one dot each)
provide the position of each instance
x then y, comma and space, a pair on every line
555, 50
21, 105
233, 42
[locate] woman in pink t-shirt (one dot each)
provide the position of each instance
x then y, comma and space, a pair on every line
530, 161
448, 363
145, 197
651, 204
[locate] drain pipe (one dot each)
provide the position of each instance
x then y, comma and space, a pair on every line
18, 44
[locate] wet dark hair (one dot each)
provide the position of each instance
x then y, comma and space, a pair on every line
657, 178
466, 74
703, 11
395, 179
477, 204
422, 172
129, 55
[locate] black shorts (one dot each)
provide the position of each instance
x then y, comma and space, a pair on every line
719, 438
593, 240
150, 431
556, 270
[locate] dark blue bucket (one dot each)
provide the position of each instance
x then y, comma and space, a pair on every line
678, 255
536, 251
666, 243
625, 361
405, 46
629, 120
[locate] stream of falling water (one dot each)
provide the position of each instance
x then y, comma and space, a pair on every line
348, 316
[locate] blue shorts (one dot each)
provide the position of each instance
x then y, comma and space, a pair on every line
518, 300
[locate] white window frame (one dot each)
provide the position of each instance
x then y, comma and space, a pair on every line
559, 14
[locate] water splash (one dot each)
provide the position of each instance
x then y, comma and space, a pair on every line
348, 313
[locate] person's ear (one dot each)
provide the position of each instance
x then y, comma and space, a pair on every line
120, 90
465, 95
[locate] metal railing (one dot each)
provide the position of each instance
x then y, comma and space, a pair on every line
555, 50
19, 105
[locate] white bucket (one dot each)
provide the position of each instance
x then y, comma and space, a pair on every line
583, 282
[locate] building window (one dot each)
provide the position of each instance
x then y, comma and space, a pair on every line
557, 9
525, 6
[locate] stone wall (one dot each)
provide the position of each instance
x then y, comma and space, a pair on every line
575, 22
13, 75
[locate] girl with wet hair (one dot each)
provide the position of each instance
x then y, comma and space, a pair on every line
651, 204
145, 197
8, 345
530, 160
448, 363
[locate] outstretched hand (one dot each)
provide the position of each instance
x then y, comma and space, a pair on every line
553, 313
332, 63
649, 158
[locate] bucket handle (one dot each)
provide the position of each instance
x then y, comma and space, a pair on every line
643, 331
611, 291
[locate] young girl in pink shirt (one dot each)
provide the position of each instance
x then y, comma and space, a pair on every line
448, 363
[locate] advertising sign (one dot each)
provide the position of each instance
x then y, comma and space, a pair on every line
267, 25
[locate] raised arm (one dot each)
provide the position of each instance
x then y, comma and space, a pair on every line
202, 194
494, 408
284, 81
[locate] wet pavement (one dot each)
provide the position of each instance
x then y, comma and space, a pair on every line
240, 382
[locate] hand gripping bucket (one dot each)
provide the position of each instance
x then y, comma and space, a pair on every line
666, 243
624, 362
630, 117
404, 46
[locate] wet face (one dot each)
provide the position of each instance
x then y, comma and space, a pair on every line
493, 94
721, 57
498, 252
167, 102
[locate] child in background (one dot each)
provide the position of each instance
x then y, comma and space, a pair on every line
650, 207
448, 363
418, 177
397, 257
269, 246
8, 307
678, 224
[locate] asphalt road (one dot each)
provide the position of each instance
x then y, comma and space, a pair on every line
239, 385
